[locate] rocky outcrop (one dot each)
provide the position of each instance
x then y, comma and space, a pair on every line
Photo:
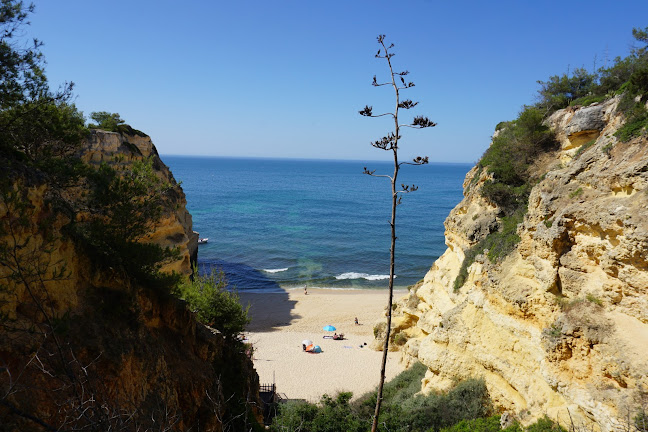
561, 325
175, 227
86, 346
586, 124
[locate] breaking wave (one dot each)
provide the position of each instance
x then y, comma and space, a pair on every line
275, 270
354, 275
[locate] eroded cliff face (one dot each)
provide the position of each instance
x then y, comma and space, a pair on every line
174, 229
84, 345
561, 325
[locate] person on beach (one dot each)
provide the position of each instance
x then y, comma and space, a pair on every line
356, 321
306, 290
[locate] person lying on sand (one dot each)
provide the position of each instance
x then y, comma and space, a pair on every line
338, 336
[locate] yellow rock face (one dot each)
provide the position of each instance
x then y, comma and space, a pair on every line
175, 227
561, 325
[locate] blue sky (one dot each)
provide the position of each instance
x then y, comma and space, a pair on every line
287, 78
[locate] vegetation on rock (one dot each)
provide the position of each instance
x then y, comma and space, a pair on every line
112, 122
519, 143
508, 161
214, 304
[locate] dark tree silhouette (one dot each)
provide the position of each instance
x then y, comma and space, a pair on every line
390, 143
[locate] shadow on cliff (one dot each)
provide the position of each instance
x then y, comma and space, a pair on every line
270, 305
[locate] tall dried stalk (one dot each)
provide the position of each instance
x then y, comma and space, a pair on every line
390, 143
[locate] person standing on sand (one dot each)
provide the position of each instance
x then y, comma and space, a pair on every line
306, 290
356, 321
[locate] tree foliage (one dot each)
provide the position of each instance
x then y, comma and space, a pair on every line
560, 90
37, 124
214, 304
106, 121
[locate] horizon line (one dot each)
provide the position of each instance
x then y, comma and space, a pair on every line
304, 159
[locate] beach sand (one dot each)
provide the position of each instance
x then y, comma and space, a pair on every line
280, 321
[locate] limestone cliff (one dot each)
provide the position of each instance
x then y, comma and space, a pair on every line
175, 227
561, 325
86, 346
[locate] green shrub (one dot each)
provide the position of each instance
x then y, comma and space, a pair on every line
400, 339
641, 421
292, 416
215, 305
513, 150
331, 415
112, 122
379, 328
545, 425
501, 125
402, 409
499, 244
554, 332
468, 400
395, 392
488, 424
502, 242
588, 100
106, 121
576, 193
635, 126
508, 159
593, 299
583, 147
507, 197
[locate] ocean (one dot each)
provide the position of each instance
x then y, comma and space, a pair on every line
279, 224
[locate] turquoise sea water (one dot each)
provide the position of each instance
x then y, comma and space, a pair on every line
275, 223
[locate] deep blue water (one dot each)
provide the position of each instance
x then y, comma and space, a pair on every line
289, 223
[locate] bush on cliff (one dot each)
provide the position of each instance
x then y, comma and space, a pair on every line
509, 157
215, 305
508, 160
112, 122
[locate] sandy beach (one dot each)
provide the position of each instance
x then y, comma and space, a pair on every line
280, 321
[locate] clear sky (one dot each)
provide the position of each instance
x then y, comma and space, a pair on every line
286, 78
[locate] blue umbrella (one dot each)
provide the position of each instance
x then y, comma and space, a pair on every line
329, 328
